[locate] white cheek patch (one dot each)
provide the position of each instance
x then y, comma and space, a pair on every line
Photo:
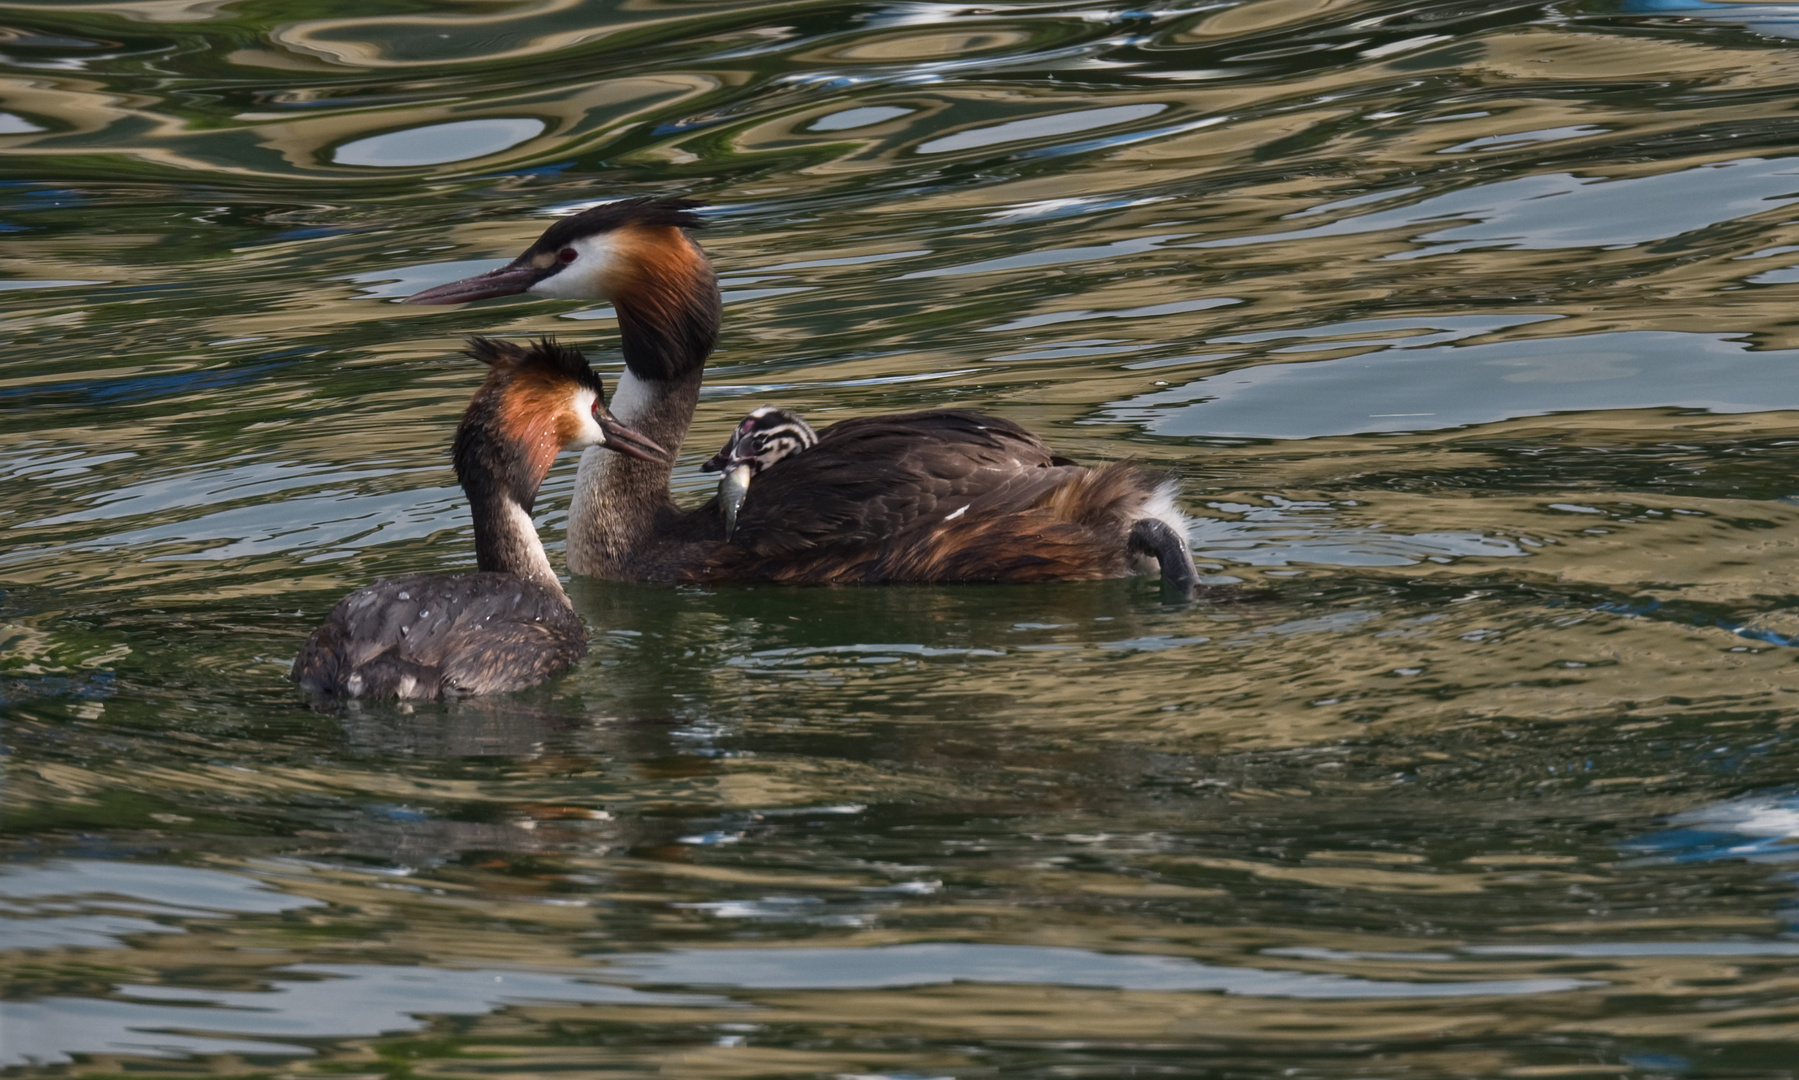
588, 277
590, 433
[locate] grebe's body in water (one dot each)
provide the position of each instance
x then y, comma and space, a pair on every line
938, 496
509, 625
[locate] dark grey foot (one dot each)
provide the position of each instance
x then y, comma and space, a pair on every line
1153, 536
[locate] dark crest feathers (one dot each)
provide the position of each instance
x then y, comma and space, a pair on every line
545, 354
644, 210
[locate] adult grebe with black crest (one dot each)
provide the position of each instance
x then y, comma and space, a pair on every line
935, 496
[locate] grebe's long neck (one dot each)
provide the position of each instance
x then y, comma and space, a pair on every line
506, 540
668, 324
617, 499
500, 471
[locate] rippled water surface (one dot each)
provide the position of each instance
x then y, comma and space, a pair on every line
1468, 328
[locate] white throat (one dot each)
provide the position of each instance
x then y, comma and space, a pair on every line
631, 398
539, 569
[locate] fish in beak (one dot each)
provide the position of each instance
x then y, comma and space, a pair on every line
732, 490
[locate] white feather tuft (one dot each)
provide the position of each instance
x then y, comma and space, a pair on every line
1161, 505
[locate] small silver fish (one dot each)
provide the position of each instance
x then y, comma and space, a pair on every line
731, 490
766, 436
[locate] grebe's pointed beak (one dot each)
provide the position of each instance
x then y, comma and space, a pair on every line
506, 281
628, 441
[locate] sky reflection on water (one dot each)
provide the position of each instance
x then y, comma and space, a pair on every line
1464, 329
1414, 388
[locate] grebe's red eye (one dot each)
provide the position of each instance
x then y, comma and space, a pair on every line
568, 254
596, 408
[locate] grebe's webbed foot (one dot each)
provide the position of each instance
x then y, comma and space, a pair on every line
1153, 536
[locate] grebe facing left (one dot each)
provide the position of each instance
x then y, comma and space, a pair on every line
939, 496
765, 436
509, 625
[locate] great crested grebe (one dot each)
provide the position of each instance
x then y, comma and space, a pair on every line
938, 496
767, 435
509, 625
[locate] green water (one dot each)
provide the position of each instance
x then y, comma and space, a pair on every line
1468, 330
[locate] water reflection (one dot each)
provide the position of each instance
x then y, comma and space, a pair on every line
1550, 212
858, 117
306, 1001
1461, 328
29, 284
1041, 127
925, 965
176, 890
1409, 387
438, 144
1760, 827
1773, 19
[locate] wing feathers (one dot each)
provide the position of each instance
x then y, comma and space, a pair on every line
947, 495
873, 476
427, 636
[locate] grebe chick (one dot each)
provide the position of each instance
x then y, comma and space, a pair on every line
766, 436
509, 625
939, 496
